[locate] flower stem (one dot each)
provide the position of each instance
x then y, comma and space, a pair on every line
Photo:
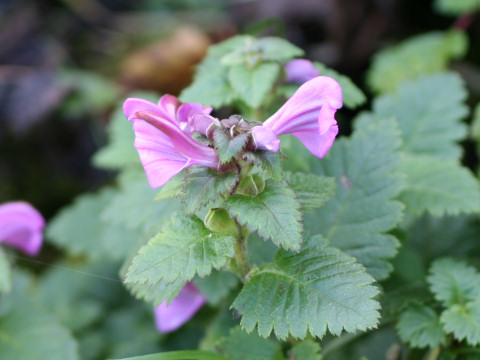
241, 256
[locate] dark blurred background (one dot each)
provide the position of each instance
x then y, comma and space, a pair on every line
65, 64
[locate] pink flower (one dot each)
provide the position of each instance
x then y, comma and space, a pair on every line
300, 70
180, 310
309, 115
163, 137
21, 227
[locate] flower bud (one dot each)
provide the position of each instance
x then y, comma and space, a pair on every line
251, 185
218, 220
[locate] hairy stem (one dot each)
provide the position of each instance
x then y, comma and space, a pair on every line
241, 256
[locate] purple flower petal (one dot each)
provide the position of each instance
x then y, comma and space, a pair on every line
308, 115
180, 310
265, 138
162, 137
201, 122
21, 227
300, 71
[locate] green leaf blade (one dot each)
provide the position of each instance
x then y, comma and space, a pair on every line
438, 187
316, 289
420, 326
363, 208
183, 249
463, 321
274, 214
5, 273
312, 191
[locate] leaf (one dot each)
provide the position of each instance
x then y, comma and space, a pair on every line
173, 188
274, 214
134, 207
429, 113
79, 230
463, 321
363, 209
268, 161
240, 346
439, 187
475, 128
183, 249
228, 147
353, 97
305, 350
5, 274
278, 49
456, 7
120, 153
419, 55
203, 186
179, 355
453, 282
253, 85
210, 85
311, 190
157, 293
420, 327
217, 285
318, 288
28, 332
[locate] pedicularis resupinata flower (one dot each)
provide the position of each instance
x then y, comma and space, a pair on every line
21, 227
170, 317
165, 133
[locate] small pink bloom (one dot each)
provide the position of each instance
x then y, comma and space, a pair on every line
309, 115
21, 227
180, 310
300, 71
163, 137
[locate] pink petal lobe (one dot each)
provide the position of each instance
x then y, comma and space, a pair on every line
201, 122
300, 70
309, 114
21, 227
170, 317
187, 111
265, 139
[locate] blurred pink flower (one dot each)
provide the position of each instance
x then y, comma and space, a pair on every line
300, 70
309, 115
180, 310
21, 227
163, 137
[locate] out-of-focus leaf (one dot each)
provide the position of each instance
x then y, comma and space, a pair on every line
457, 7
416, 56
5, 275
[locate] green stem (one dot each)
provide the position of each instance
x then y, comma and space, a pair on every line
433, 354
241, 255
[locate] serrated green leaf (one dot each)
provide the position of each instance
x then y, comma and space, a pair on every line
173, 188
268, 161
420, 327
157, 293
438, 187
416, 56
278, 49
363, 209
27, 332
217, 285
429, 113
5, 274
240, 346
120, 153
318, 288
456, 7
183, 249
311, 190
453, 282
353, 97
274, 214
463, 321
305, 350
253, 85
228, 147
203, 186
